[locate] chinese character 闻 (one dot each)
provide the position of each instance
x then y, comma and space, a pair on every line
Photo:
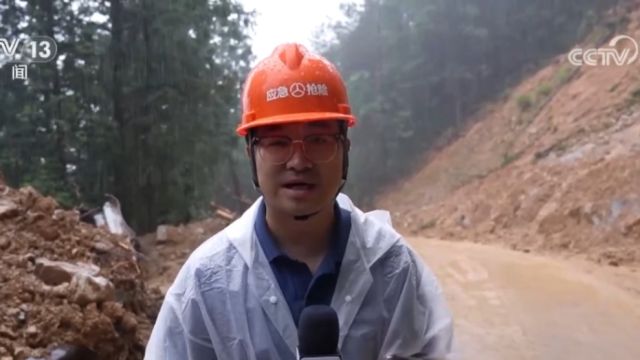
19, 72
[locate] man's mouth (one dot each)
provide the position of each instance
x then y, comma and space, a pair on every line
301, 186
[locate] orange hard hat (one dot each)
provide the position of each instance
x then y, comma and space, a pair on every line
293, 85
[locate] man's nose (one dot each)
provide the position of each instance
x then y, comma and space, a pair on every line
298, 160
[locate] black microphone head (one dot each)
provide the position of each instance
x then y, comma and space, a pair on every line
318, 331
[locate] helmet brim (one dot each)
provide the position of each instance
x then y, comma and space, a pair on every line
296, 118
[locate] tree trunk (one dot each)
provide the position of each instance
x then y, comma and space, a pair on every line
54, 111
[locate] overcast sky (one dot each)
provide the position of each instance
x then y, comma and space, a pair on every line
279, 21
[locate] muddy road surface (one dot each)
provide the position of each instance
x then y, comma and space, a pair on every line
512, 305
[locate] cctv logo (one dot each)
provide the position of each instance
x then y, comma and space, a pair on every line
34, 49
9, 49
606, 56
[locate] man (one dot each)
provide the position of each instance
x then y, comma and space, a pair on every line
240, 294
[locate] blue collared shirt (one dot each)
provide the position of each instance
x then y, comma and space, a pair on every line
300, 287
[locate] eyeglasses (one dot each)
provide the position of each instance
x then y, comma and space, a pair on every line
277, 150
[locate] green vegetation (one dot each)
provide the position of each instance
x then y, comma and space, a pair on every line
524, 102
543, 91
508, 158
563, 74
528, 102
142, 105
419, 67
143, 100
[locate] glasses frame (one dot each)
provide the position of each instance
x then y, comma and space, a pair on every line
255, 143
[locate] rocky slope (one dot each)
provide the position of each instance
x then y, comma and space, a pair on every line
553, 166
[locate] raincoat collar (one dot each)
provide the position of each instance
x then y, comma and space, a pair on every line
370, 237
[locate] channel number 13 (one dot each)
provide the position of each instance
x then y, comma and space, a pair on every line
40, 49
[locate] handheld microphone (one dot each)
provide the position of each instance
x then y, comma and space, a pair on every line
318, 333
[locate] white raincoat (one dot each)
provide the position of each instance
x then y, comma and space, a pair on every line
226, 304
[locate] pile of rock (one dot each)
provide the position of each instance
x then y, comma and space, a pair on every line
67, 287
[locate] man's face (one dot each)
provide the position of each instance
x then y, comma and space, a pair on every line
299, 185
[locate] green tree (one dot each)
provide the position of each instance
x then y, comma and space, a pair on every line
141, 102
418, 68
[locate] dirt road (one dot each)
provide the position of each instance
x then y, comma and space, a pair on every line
511, 305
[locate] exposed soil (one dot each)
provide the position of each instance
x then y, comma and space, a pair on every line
562, 176
66, 286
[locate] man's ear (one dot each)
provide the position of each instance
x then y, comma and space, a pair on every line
347, 144
247, 151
